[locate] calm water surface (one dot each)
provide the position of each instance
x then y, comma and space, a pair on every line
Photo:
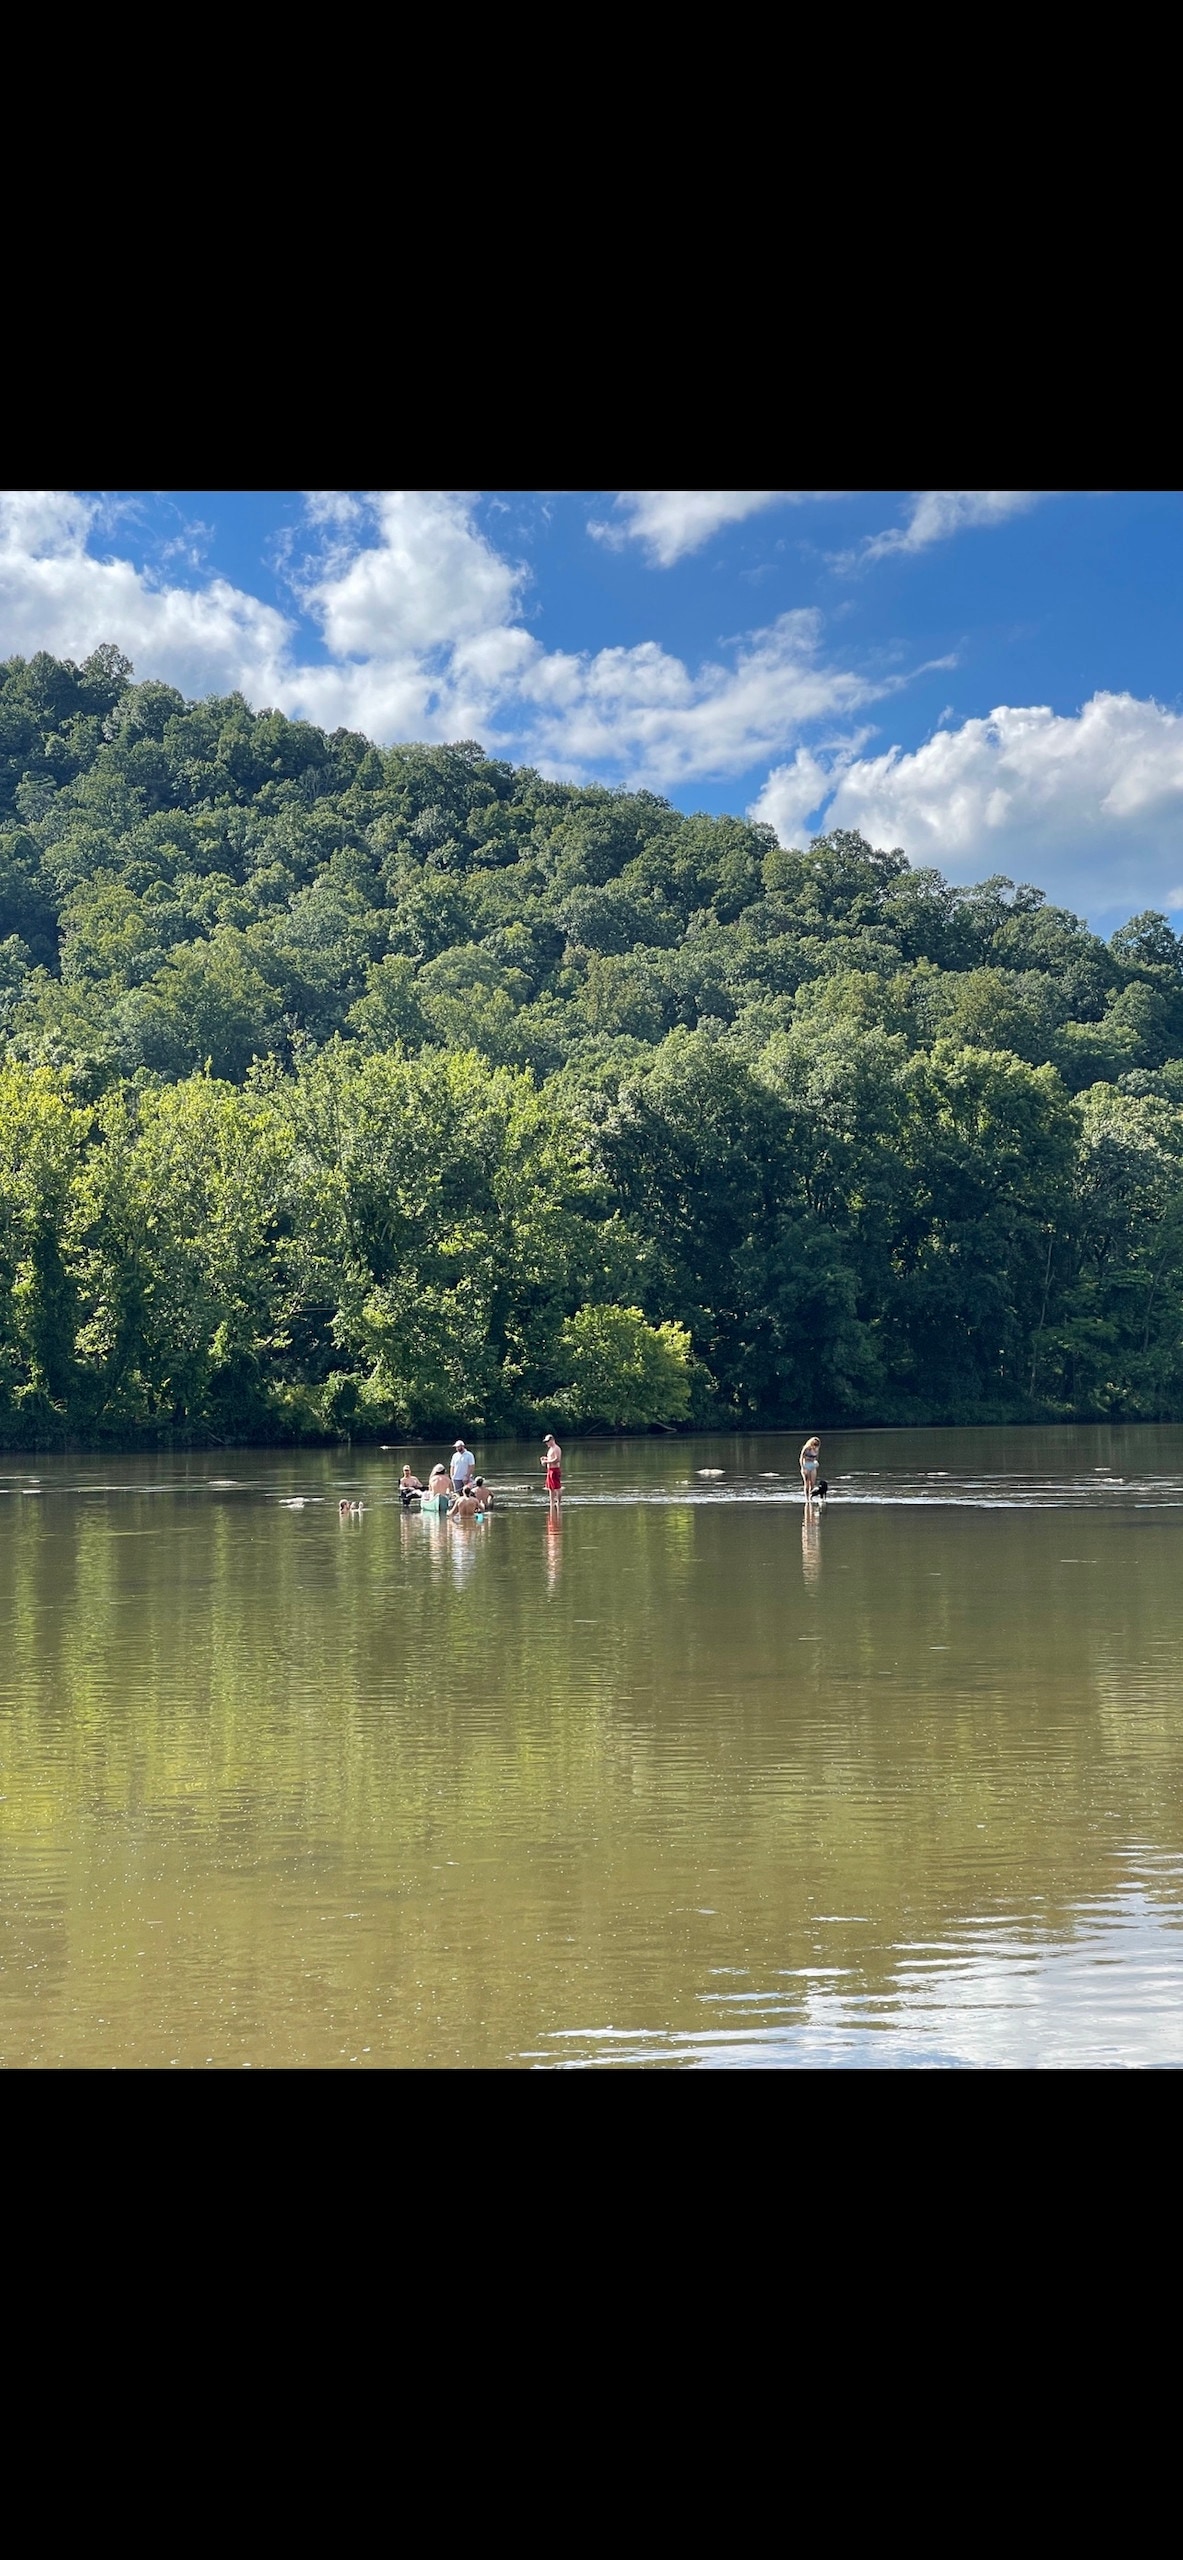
677, 1779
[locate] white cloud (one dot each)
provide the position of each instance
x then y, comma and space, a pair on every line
792, 795
642, 710
409, 596
1089, 806
796, 792
55, 594
429, 578
333, 506
638, 712
671, 523
939, 513
417, 609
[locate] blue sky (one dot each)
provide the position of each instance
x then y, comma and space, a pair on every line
989, 678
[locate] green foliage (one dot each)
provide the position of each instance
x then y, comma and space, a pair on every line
210, 1004
180, 1260
41, 1142
625, 1373
346, 1089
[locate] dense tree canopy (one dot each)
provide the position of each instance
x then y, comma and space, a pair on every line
360, 1090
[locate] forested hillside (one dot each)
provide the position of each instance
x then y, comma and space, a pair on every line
367, 1091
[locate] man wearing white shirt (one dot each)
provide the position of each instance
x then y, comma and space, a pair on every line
463, 1467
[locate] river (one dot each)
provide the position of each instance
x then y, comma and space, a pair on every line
674, 1779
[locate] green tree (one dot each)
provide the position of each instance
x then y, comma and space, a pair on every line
183, 1216
209, 1002
624, 1373
42, 1138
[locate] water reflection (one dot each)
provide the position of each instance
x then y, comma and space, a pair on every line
811, 1547
462, 1539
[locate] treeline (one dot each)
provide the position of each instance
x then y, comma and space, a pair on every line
360, 1090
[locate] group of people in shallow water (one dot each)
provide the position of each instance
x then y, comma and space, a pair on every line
466, 1494
456, 1486
468, 1497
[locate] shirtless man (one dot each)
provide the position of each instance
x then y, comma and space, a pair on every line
552, 1460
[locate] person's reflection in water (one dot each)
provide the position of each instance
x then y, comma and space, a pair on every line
811, 1544
462, 1551
554, 1545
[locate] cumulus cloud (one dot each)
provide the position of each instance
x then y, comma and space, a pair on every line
639, 713
410, 599
1089, 805
671, 523
647, 710
420, 620
56, 594
426, 577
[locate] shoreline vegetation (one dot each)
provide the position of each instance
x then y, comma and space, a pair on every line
360, 1093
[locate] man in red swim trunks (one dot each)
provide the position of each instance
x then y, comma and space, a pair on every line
553, 1463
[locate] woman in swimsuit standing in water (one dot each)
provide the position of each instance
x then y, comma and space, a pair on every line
810, 1464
